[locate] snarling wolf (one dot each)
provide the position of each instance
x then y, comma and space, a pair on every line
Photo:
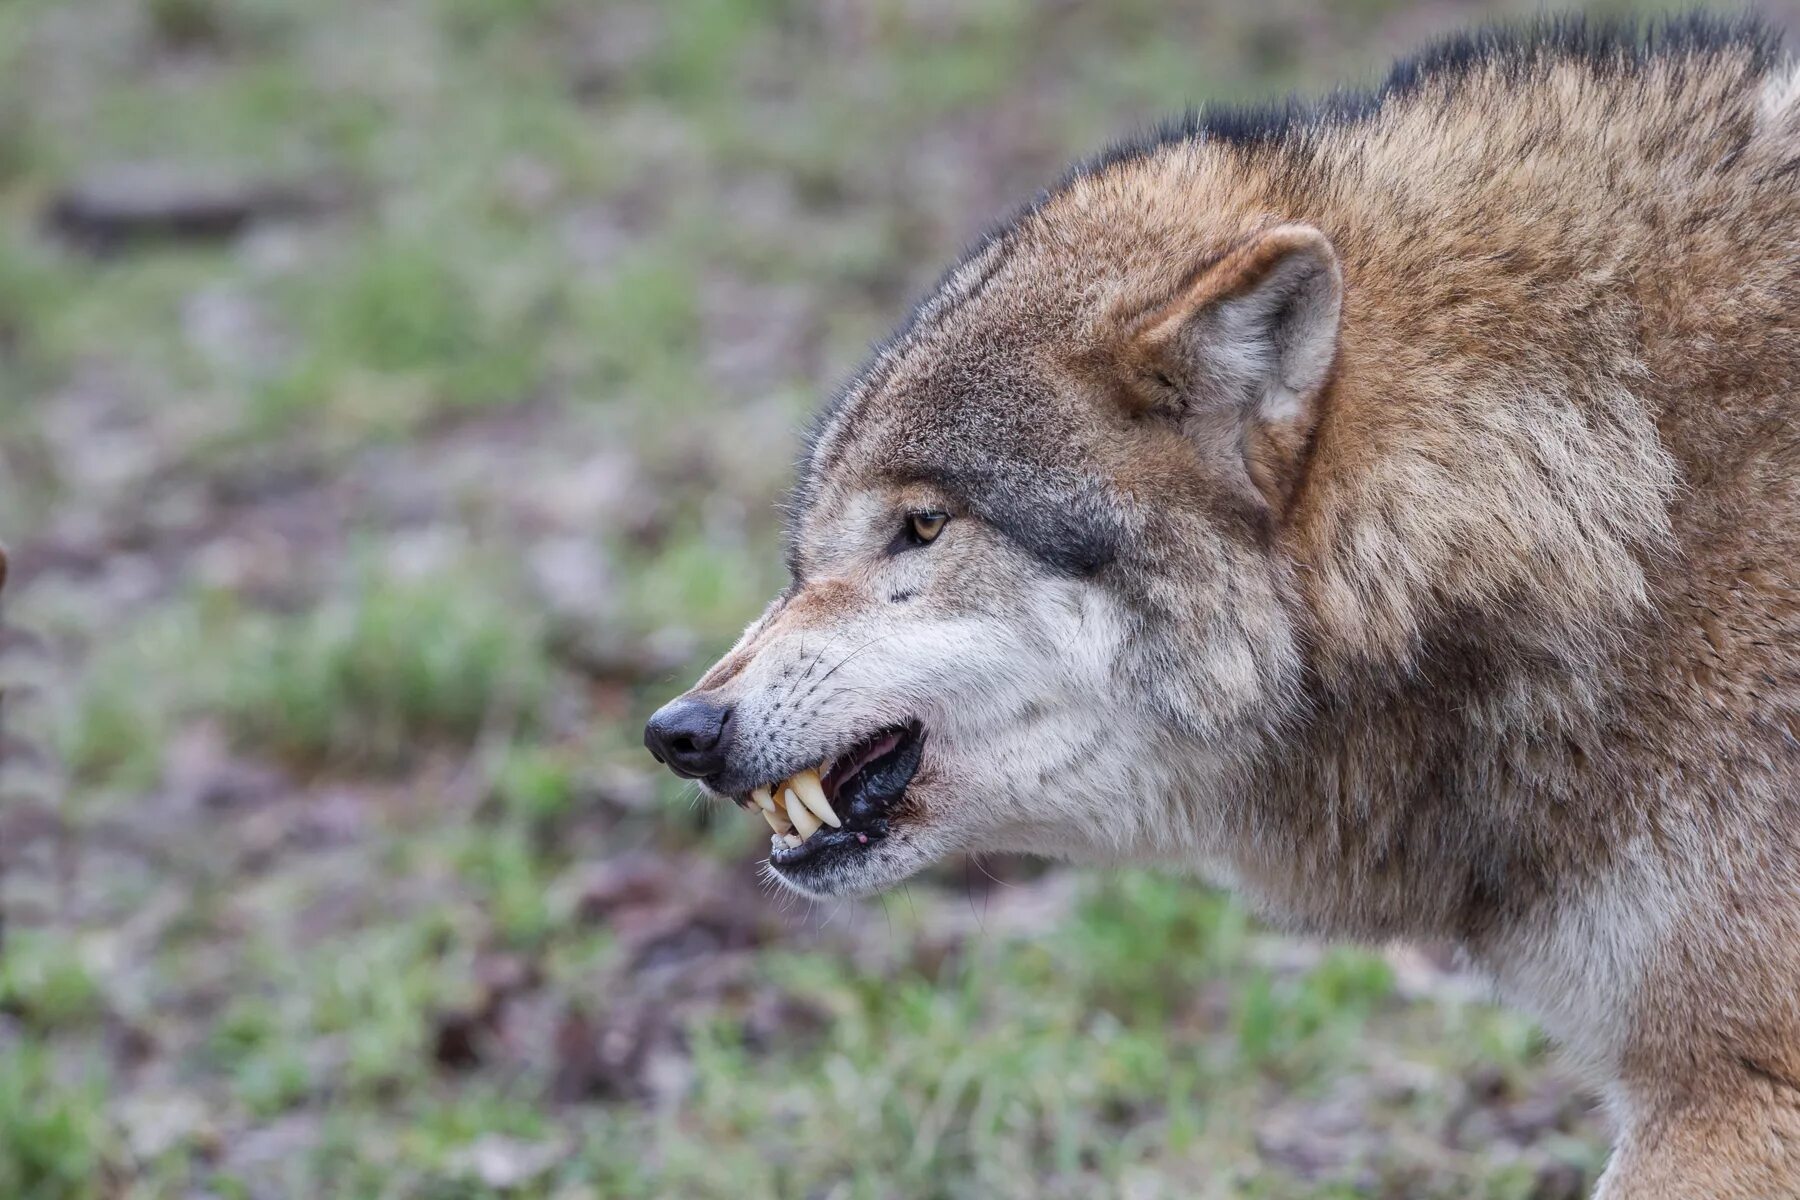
1388, 506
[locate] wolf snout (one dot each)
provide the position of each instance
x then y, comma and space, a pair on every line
689, 735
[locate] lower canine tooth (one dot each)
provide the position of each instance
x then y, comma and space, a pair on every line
798, 813
792, 840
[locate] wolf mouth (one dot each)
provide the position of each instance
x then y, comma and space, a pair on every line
843, 804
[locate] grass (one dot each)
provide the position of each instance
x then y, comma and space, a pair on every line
358, 885
399, 336
384, 672
1049, 1068
45, 984
54, 1139
395, 666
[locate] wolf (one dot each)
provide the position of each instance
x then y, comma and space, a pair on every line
1387, 506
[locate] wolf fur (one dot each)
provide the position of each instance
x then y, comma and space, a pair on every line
1390, 507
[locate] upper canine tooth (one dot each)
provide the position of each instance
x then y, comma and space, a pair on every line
806, 785
797, 812
777, 822
763, 799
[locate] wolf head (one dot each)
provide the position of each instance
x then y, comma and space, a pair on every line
1036, 601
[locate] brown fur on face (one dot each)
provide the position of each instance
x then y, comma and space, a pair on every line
1423, 474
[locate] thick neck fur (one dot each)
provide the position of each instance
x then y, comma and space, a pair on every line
1567, 295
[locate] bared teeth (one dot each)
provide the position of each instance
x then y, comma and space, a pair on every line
777, 819
796, 808
806, 785
800, 815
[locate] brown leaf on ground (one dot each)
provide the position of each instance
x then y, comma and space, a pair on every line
462, 1037
203, 775
632, 881
669, 910
1494, 1110
778, 1018
605, 1058
1559, 1181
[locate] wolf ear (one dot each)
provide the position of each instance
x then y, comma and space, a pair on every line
1244, 351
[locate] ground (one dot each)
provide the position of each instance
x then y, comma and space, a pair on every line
394, 402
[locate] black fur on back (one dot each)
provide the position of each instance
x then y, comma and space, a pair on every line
1607, 45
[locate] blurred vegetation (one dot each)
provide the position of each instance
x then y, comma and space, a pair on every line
395, 396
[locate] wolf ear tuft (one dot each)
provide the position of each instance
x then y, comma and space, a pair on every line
1244, 349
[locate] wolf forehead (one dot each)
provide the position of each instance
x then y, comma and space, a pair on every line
995, 394
971, 413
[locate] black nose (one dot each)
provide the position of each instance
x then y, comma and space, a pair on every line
689, 735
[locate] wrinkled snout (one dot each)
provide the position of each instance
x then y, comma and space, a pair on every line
690, 735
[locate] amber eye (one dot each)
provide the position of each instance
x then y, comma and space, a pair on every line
925, 526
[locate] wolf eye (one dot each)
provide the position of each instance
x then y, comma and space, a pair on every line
922, 528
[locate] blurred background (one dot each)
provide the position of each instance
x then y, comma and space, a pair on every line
395, 396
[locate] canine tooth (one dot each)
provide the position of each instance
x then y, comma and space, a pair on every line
763, 800
792, 840
777, 822
806, 785
797, 812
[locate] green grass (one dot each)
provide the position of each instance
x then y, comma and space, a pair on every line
376, 678
1048, 1067
54, 1141
391, 669
397, 337
45, 983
